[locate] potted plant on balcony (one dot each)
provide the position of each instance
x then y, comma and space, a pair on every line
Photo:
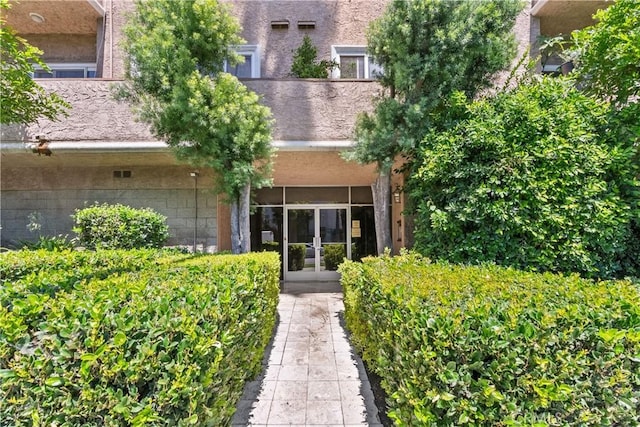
305, 62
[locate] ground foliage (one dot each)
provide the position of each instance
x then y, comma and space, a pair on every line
144, 337
540, 177
492, 346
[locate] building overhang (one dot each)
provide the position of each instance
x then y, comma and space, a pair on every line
564, 16
50, 147
55, 17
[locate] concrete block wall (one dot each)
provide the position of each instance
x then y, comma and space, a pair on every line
54, 187
56, 207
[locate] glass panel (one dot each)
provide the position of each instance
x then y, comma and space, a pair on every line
41, 74
375, 70
269, 196
310, 195
266, 230
301, 253
333, 235
242, 70
69, 74
361, 195
352, 67
363, 232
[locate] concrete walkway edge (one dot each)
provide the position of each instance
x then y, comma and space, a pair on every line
311, 375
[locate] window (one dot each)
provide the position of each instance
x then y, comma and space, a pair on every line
66, 71
250, 68
353, 63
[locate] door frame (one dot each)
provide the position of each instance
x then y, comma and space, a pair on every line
317, 274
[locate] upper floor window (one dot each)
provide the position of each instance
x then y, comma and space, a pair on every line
250, 68
66, 71
353, 63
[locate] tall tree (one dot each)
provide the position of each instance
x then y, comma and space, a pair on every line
22, 100
427, 49
608, 62
176, 52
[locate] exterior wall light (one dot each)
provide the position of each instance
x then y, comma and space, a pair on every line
396, 194
36, 17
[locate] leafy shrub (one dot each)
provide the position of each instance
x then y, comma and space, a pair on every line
271, 246
541, 177
50, 243
305, 64
488, 345
167, 344
120, 227
297, 253
334, 254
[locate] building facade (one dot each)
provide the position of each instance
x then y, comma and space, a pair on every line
320, 207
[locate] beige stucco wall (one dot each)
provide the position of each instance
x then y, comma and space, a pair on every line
65, 47
303, 110
337, 22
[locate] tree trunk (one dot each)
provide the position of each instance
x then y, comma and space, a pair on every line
244, 224
235, 226
381, 190
240, 223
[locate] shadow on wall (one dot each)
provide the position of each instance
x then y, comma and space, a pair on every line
278, 45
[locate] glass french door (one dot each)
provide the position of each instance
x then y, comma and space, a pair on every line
316, 241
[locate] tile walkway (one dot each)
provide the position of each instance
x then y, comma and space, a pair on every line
312, 376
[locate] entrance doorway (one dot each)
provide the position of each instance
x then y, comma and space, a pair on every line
313, 228
316, 239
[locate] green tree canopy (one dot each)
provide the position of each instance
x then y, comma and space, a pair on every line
22, 100
427, 49
539, 177
176, 53
609, 52
430, 48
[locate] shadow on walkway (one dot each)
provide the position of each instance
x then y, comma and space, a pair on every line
311, 374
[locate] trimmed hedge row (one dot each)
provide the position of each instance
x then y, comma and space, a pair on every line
491, 346
151, 339
120, 227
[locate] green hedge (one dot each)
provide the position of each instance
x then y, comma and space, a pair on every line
334, 254
491, 346
297, 253
120, 227
138, 338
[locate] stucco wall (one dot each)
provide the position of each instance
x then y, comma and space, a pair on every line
65, 47
315, 109
337, 22
303, 110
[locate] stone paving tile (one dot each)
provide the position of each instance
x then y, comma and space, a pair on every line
312, 376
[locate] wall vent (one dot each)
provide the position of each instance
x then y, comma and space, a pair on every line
122, 174
306, 25
280, 25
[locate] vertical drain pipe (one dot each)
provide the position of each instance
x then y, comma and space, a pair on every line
194, 175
